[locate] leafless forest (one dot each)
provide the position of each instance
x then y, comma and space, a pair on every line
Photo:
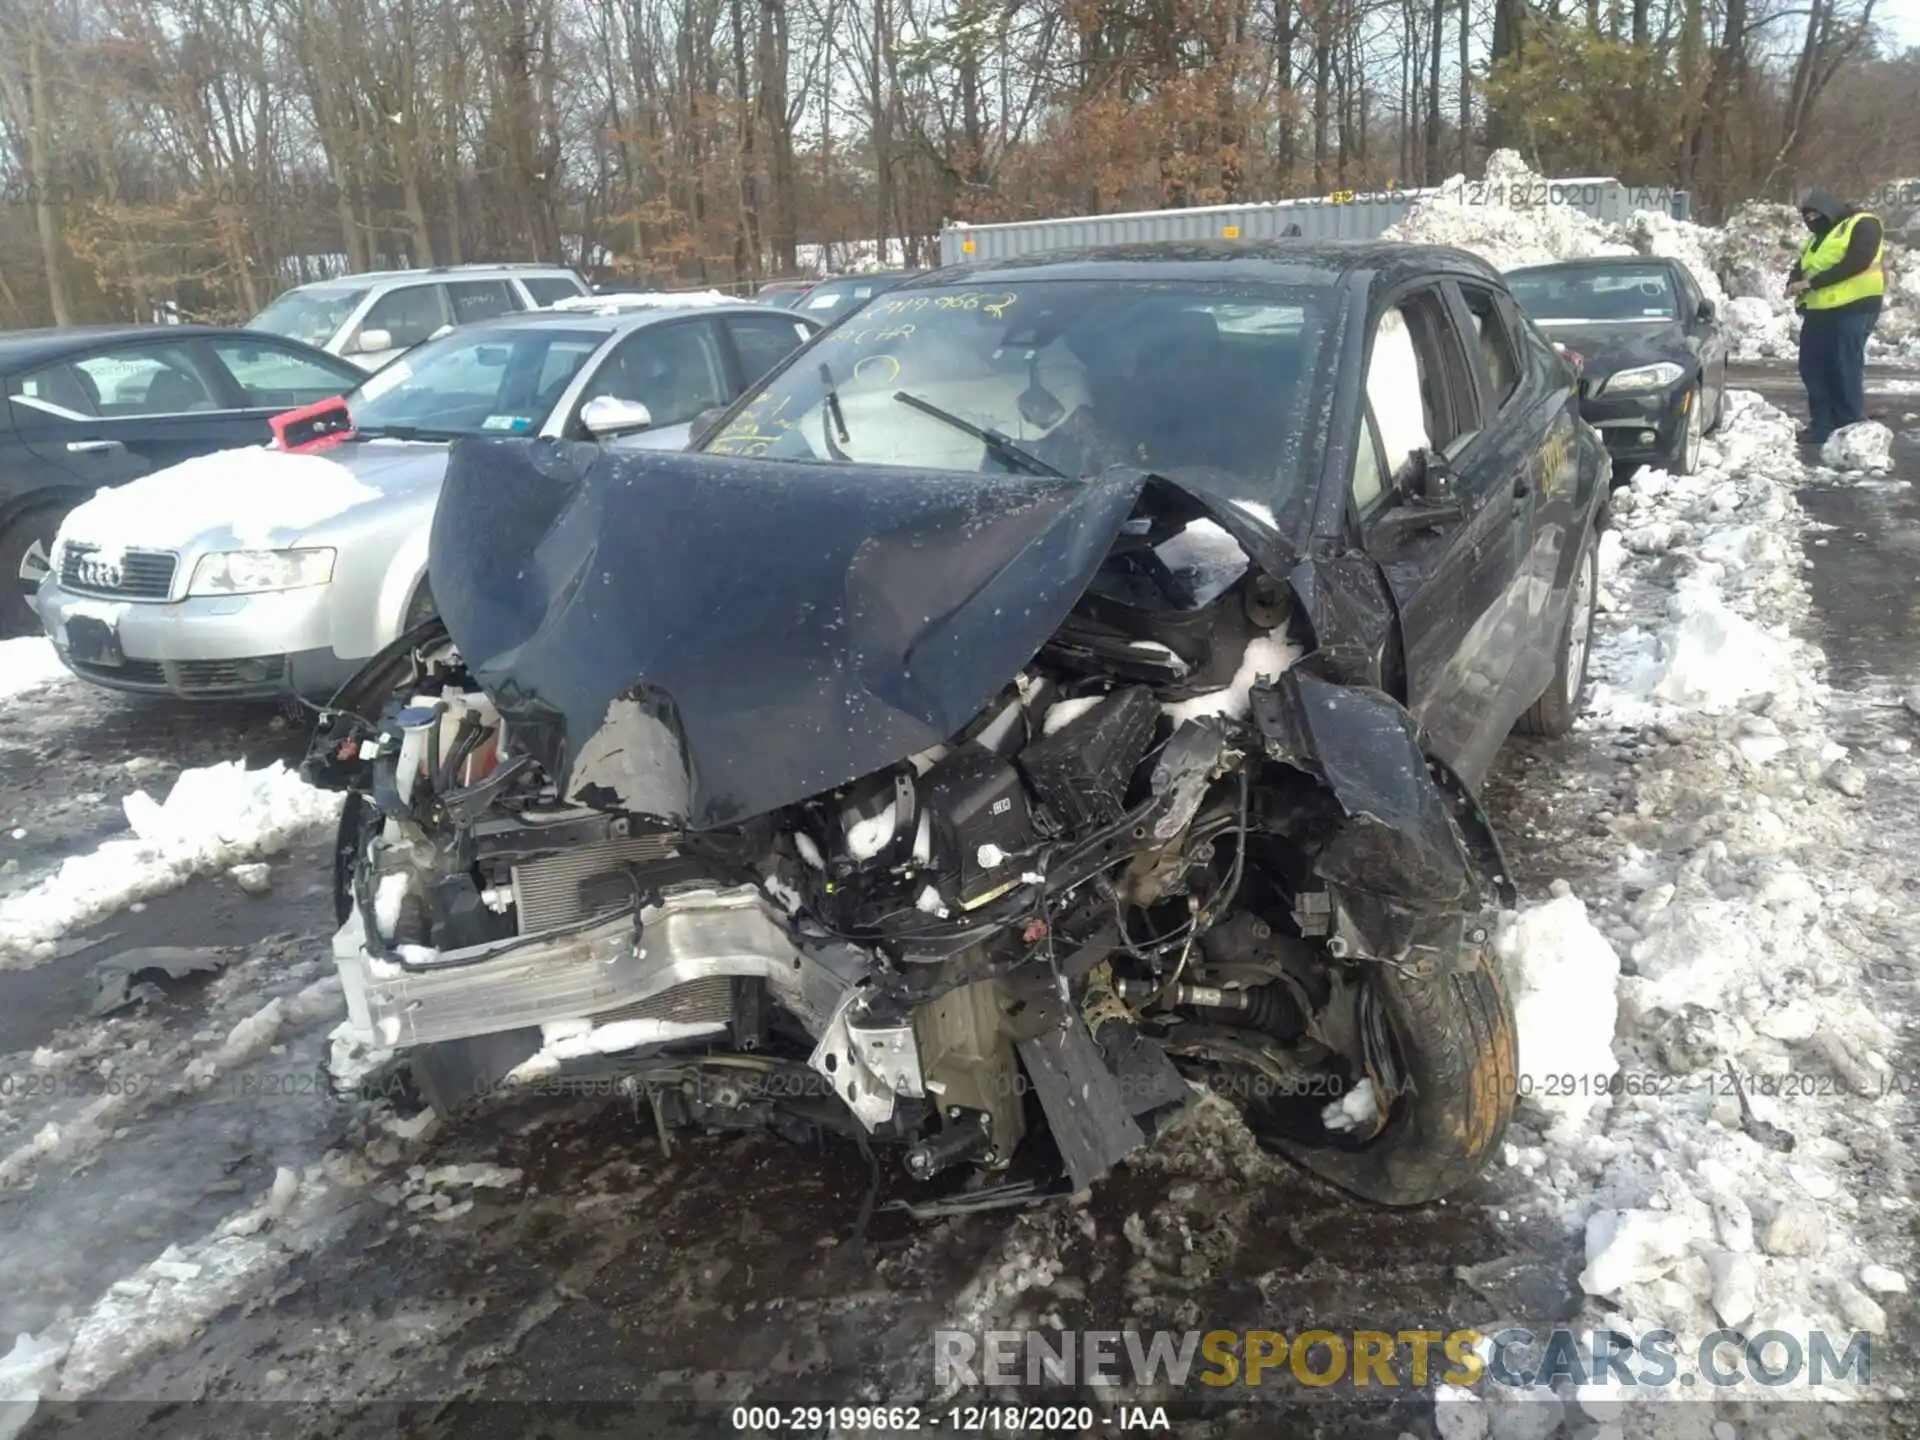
205, 153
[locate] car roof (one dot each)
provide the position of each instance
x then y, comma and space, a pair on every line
616, 321
1278, 262
20, 348
856, 278
476, 271
1596, 262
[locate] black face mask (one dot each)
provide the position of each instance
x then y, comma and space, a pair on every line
1814, 221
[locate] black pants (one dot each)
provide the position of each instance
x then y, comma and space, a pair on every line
1833, 366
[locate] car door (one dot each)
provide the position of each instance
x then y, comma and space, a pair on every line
112, 415
676, 368
1532, 426
1705, 338
1458, 586
757, 343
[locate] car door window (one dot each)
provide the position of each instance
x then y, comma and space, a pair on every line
762, 342
270, 377
1419, 382
674, 370
409, 314
1499, 361
1397, 392
545, 289
141, 381
1369, 479
480, 300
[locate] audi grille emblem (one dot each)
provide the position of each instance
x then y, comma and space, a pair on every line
100, 574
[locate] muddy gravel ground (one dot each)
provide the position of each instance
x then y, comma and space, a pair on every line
545, 1268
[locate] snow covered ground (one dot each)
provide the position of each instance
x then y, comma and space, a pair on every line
218, 817
1740, 1157
1715, 1112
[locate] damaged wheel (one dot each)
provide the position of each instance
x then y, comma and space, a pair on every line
1457, 1057
1553, 714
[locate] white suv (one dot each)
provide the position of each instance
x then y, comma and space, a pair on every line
371, 318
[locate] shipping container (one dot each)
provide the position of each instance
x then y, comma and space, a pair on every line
1344, 215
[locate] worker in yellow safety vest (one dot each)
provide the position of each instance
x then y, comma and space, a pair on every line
1837, 285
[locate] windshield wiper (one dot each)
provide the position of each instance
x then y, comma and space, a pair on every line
1010, 452
838, 415
395, 432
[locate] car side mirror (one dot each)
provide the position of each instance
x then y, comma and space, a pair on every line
1706, 310
1412, 517
703, 425
1425, 497
605, 416
372, 342
1433, 481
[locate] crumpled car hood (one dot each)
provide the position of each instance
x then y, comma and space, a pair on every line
702, 640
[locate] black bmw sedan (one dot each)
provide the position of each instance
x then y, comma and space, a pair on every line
92, 407
1653, 362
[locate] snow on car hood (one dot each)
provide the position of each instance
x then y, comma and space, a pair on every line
703, 639
1605, 348
255, 498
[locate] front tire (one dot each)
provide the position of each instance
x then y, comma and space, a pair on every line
1553, 714
1685, 459
1459, 1053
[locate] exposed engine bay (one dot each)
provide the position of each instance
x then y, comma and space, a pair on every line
1164, 854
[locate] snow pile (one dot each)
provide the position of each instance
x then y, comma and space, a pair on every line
1483, 218
25, 1371
1750, 256
1866, 447
1652, 233
1756, 248
28, 664
1561, 976
1709, 1190
214, 818
1723, 525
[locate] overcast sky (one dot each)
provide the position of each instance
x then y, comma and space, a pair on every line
1902, 17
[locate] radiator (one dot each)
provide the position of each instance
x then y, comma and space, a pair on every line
552, 890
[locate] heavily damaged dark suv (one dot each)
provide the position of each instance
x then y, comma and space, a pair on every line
1062, 684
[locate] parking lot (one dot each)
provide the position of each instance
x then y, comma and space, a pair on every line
187, 1212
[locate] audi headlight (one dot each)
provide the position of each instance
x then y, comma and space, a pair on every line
1645, 377
250, 572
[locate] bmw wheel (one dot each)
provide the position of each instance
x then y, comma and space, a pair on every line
1686, 454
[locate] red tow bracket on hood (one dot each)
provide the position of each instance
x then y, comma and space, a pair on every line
319, 426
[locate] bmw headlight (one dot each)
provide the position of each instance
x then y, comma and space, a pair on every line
1645, 377
249, 572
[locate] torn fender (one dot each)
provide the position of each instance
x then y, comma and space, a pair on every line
1365, 748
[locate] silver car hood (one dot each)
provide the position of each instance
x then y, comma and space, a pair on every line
261, 498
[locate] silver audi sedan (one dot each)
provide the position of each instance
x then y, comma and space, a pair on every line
262, 573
